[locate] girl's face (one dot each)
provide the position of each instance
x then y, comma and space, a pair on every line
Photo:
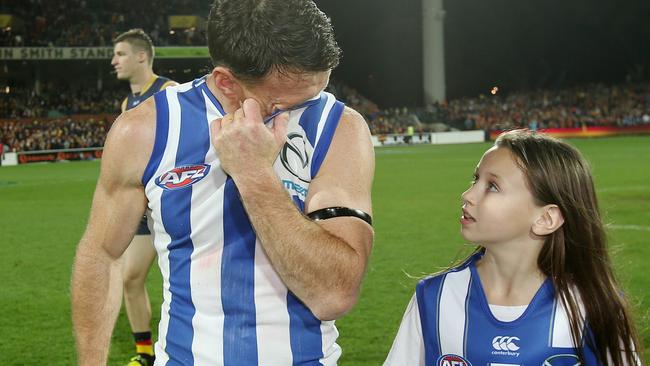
498, 208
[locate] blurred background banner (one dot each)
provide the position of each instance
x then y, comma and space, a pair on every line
184, 21
91, 53
6, 20
55, 53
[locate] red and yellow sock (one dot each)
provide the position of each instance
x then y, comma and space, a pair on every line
143, 344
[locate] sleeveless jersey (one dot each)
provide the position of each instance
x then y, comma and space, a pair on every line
133, 100
223, 302
449, 323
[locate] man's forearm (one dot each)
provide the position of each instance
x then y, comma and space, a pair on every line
323, 270
96, 284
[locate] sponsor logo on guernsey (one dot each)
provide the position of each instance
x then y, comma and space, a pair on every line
182, 177
505, 346
294, 157
300, 190
562, 360
452, 360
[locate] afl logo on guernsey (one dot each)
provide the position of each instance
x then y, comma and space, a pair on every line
182, 177
452, 360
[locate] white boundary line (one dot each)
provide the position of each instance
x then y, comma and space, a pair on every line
623, 188
629, 227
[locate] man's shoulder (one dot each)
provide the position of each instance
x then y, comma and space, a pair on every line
351, 114
133, 132
352, 126
144, 113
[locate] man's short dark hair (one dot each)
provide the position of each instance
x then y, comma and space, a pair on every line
255, 37
139, 40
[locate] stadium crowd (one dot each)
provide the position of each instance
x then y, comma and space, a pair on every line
57, 102
591, 105
49, 134
75, 23
95, 23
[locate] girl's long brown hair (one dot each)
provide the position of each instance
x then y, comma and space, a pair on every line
575, 256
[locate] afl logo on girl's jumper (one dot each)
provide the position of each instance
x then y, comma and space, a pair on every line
182, 177
452, 360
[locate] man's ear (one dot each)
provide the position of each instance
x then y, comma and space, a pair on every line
142, 57
226, 82
549, 220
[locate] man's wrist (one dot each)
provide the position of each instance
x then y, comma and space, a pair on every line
256, 181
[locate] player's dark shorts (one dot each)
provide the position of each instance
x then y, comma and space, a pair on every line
143, 229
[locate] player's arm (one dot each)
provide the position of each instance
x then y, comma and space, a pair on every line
118, 205
321, 262
341, 246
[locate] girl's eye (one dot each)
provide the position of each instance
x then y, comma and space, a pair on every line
474, 180
492, 187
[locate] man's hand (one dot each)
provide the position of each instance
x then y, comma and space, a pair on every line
244, 144
323, 262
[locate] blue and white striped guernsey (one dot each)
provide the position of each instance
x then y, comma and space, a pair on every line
448, 323
223, 302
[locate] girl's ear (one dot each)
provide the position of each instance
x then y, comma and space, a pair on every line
549, 220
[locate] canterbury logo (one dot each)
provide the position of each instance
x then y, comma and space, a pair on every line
501, 343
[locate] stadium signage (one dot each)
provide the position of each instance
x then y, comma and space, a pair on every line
91, 53
59, 155
55, 53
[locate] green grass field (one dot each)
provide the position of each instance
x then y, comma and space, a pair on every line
43, 211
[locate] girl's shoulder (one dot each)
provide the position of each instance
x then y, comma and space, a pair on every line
460, 273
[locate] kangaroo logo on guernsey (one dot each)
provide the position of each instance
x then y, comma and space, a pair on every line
562, 360
452, 360
295, 158
182, 177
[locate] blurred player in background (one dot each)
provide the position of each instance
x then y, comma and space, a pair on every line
133, 61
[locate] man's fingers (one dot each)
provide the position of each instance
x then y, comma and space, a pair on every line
251, 110
215, 126
280, 126
238, 115
227, 119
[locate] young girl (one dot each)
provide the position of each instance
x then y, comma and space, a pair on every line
539, 290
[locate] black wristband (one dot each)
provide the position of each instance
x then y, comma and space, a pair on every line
330, 212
